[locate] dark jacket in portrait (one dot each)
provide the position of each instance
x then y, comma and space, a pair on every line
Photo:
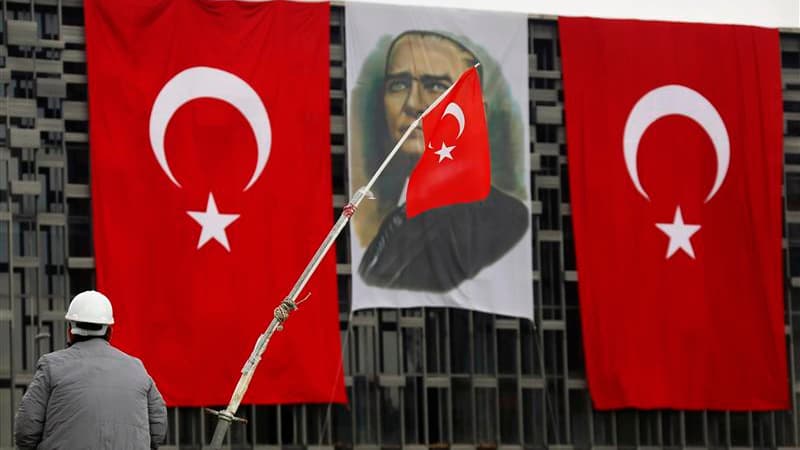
439, 249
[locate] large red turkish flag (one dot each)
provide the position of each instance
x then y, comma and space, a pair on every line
455, 167
209, 157
674, 140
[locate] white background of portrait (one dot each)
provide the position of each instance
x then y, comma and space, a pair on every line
767, 13
506, 286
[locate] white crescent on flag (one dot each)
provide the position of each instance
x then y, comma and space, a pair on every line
208, 82
680, 100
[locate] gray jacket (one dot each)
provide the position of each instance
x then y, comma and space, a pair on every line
90, 396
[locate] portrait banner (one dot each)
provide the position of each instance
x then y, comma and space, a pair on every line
474, 255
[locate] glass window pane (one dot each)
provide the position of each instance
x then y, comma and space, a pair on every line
486, 416
463, 425
509, 411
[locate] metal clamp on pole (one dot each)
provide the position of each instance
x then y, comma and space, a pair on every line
225, 415
224, 422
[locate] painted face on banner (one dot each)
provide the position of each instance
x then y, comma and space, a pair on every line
419, 68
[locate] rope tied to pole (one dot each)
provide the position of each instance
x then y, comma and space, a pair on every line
349, 209
283, 310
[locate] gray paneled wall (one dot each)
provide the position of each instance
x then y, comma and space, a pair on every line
423, 377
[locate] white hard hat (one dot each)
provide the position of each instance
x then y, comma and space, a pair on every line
90, 307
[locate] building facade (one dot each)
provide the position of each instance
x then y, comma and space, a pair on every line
415, 378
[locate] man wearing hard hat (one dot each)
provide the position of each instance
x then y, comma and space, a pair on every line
90, 395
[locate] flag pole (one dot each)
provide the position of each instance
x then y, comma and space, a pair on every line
289, 304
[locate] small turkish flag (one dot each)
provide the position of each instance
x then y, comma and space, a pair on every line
455, 167
674, 136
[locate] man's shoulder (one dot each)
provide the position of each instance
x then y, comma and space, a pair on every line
58, 359
103, 349
122, 355
55, 356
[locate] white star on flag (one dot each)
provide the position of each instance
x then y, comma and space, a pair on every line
444, 152
213, 224
679, 234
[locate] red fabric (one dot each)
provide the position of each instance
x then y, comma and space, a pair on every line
702, 332
438, 180
193, 314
